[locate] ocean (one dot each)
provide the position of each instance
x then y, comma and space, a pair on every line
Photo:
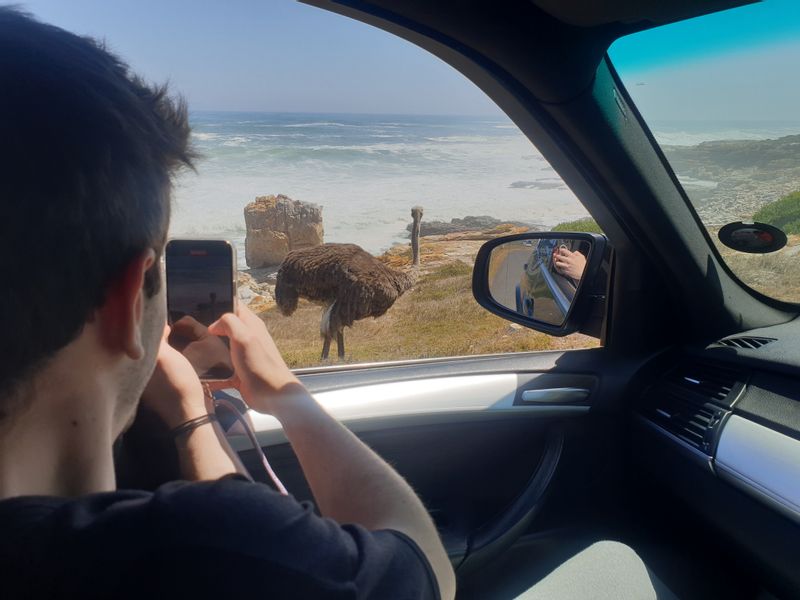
367, 171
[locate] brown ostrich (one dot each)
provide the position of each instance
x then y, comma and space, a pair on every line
350, 282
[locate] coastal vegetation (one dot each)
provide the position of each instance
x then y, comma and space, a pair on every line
587, 224
776, 274
783, 213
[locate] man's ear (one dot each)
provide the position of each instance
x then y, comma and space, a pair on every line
120, 317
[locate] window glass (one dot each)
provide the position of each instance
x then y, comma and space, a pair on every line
720, 94
315, 128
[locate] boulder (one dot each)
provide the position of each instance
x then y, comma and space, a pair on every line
278, 224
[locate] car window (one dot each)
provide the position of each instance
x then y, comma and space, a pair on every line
719, 94
336, 140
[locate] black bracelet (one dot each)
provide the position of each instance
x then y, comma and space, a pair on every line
192, 424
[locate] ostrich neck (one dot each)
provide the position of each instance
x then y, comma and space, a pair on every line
415, 243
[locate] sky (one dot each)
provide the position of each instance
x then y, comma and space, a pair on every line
283, 56
270, 55
735, 65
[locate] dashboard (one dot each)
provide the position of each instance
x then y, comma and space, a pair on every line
720, 427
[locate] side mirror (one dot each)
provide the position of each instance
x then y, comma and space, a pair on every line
540, 280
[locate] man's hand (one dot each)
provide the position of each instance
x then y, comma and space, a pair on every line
176, 395
204, 350
174, 392
262, 376
350, 483
569, 264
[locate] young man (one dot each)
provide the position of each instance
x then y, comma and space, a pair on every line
88, 152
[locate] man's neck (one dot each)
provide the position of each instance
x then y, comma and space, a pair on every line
58, 443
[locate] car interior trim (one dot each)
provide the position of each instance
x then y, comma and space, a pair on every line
695, 454
432, 400
270, 432
555, 395
762, 462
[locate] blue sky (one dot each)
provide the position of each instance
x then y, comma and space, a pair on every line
272, 55
279, 55
735, 65
772, 22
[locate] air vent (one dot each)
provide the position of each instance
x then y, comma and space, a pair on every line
706, 382
691, 400
694, 424
749, 343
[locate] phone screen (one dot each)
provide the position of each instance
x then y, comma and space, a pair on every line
200, 289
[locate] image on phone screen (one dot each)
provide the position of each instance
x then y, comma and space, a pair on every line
200, 289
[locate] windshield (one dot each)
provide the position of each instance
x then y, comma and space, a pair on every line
720, 93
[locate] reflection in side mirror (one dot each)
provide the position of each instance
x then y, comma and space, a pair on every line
538, 278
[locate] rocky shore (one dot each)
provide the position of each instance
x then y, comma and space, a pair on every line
730, 180
482, 223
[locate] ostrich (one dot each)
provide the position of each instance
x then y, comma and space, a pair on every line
350, 282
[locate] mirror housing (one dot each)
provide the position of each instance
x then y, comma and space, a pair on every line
512, 272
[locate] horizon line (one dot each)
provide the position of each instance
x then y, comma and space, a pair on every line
500, 114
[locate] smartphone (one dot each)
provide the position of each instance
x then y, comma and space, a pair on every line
201, 287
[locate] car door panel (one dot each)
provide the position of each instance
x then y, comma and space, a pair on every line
480, 439
486, 397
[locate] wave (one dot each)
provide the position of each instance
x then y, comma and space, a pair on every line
318, 124
463, 139
545, 183
366, 173
205, 136
237, 140
697, 183
220, 227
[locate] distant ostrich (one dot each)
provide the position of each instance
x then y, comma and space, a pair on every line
350, 282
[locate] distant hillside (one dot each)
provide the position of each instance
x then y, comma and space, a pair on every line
732, 179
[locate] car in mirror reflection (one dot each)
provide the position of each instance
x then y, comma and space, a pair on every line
548, 283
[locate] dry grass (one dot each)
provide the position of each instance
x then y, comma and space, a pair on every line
438, 317
400, 256
776, 274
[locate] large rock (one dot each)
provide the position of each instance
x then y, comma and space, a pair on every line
278, 224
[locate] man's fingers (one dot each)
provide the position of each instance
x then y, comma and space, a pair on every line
231, 326
248, 317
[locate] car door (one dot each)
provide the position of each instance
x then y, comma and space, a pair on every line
483, 440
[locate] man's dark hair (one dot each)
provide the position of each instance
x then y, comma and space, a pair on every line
87, 151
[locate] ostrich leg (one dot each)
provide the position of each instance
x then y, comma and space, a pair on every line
325, 330
340, 344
